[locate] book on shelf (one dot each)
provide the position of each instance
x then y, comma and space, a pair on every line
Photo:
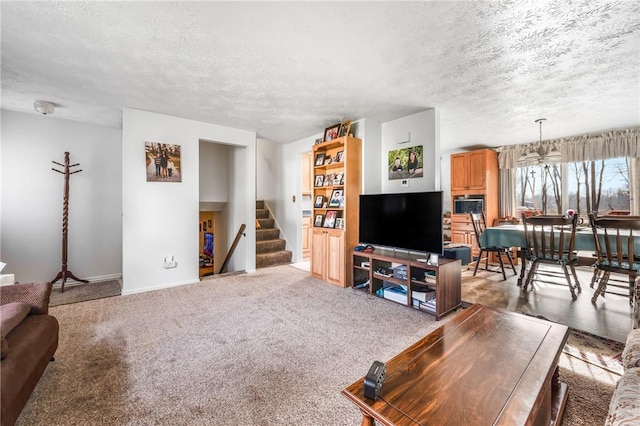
423, 296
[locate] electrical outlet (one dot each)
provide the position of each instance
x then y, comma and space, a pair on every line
170, 264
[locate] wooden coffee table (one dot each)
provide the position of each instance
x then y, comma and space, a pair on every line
483, 367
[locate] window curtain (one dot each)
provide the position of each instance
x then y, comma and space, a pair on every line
507, 193
588, 147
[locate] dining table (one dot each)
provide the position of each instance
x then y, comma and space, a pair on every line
511, 235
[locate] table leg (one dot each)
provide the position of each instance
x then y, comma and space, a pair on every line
367, 420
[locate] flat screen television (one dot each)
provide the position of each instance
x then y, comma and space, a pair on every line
207, 247
411, 221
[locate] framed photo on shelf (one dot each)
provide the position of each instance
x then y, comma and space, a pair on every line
328, 160
339, 156
433, 259
318, 221
336, 198
344, 128
330, 219
331, 133
319, 201
328, 180
319, 180
338, 179
339, 223
320, 159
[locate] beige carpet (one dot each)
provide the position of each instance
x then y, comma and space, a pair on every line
271, 348
74, 293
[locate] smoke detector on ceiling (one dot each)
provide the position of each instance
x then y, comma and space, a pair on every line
44, 107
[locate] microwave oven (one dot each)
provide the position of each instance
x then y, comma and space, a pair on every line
468, 205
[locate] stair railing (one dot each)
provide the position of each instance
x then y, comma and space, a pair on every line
233, 248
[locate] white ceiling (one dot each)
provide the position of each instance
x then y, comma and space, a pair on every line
287, 70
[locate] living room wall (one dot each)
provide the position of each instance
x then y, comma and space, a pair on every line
423, 129
31, 214
160, 219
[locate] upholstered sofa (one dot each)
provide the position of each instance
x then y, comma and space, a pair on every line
624, 408
29, 341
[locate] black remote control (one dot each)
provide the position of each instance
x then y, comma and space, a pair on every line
374, 379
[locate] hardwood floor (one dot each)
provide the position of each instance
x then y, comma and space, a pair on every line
609, 317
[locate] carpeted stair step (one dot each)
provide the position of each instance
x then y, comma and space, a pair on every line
270, 246
267, 234
259, 204
272, 259
262, 214
266, 223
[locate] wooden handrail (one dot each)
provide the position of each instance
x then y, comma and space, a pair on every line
232, 249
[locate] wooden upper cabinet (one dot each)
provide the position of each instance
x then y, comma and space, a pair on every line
477, 169
459, 171
469, 170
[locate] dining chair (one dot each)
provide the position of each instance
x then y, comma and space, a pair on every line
479, 225
550, 240
614, 239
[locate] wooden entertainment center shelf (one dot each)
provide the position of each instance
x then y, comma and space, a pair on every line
420, 279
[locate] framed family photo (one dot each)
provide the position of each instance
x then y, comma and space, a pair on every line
336, 198
330, 219
339, 223
318, 221
162, 162
319, 201
319, 180
344, 128
320, 159
331, 133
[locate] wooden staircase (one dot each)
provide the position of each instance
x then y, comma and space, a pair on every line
269, 247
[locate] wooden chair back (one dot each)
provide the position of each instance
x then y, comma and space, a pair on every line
550, 237
614, 238
479, 223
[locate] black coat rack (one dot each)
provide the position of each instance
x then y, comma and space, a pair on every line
65, 273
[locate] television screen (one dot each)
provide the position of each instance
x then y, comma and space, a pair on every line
410, 221
207, 247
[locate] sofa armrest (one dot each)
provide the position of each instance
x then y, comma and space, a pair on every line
35, 294
636, 305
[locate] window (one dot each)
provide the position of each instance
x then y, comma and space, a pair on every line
601, 186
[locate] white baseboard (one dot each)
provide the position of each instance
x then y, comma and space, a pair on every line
96, 279
158, 287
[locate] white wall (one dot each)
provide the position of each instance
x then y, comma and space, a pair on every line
371, 132
289, 177
267, 165
214, 158
424, 129
160, 219
32, 198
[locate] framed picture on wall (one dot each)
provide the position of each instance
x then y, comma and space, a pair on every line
209, 223
162, 162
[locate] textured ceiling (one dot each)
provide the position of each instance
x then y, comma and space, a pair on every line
287, 70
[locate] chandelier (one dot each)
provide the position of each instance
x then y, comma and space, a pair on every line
537, 153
